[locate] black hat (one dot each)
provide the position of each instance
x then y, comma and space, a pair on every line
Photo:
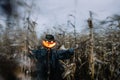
49, 37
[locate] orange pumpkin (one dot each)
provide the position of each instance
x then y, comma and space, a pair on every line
49, 44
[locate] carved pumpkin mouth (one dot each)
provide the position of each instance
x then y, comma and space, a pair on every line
49, 44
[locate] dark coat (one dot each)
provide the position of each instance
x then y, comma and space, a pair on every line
42, 62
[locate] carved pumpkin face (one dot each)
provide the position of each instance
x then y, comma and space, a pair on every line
48, 44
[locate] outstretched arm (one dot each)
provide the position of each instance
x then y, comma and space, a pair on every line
65, 54
32, 53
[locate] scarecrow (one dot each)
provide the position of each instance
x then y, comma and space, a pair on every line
47, 64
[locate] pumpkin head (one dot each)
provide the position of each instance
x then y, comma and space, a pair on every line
49, 41
49, 44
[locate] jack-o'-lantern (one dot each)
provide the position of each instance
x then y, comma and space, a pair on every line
49, 41
49, 44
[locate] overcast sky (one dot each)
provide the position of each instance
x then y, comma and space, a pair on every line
52, 12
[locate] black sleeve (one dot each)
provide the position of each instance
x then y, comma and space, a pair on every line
65, 54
